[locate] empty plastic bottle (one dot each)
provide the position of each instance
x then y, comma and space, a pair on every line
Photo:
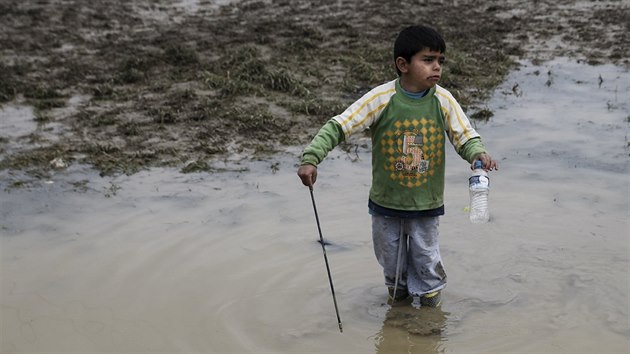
479, 186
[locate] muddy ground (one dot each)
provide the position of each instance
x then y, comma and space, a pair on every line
128, 85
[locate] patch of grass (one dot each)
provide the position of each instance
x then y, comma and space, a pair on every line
25, 181
11, 82
251, 5
107, 159
316, 107
254, 121
213, 80
170, 111
41, 117
300, 40
129, 129
98, 119
283, 81
469, 78
483, 114
134, 70
108, 118
233, 88
262, 150
164, 115
180, 55
300, 45
37, 159
196, 166
18, 185
42, 92
45, 104
370, 65
110, 165
209, 147
103, 91
243, 71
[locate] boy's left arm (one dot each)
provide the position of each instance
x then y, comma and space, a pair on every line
487, 162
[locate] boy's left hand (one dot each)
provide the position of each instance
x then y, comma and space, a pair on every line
487, 161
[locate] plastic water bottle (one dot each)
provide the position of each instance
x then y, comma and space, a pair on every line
479, 186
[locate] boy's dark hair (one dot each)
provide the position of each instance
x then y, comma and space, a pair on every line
413, 39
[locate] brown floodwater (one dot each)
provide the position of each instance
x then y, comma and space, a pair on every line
227, 262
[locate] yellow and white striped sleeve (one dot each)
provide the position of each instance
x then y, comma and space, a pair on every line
457, 125
362, 113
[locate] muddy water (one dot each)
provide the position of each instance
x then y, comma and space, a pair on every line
228, 262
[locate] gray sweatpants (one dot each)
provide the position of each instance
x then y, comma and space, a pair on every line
421, 271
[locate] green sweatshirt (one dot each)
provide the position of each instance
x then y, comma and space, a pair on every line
408, 143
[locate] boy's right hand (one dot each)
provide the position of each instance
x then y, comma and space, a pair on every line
308, 174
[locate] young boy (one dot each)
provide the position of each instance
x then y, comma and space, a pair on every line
408, 119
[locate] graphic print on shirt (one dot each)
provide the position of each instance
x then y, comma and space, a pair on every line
413, 148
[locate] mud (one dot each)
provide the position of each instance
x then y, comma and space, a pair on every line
125, 86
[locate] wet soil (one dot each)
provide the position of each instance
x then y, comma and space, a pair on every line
124, 86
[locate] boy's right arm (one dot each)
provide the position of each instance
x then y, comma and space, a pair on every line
329, 136
308, 174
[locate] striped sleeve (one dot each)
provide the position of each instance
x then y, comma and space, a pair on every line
457, 125
362, 113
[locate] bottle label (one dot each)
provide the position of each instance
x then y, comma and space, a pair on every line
479, 181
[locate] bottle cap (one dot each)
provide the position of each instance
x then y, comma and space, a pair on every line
478, 164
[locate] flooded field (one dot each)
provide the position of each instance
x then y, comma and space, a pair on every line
227, 262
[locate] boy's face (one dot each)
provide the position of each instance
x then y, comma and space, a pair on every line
423, 71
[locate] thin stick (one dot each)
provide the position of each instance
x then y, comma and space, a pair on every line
321, 240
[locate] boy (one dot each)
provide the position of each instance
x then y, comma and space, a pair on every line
408, 120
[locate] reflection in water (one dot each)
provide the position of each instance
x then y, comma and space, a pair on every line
412, 330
